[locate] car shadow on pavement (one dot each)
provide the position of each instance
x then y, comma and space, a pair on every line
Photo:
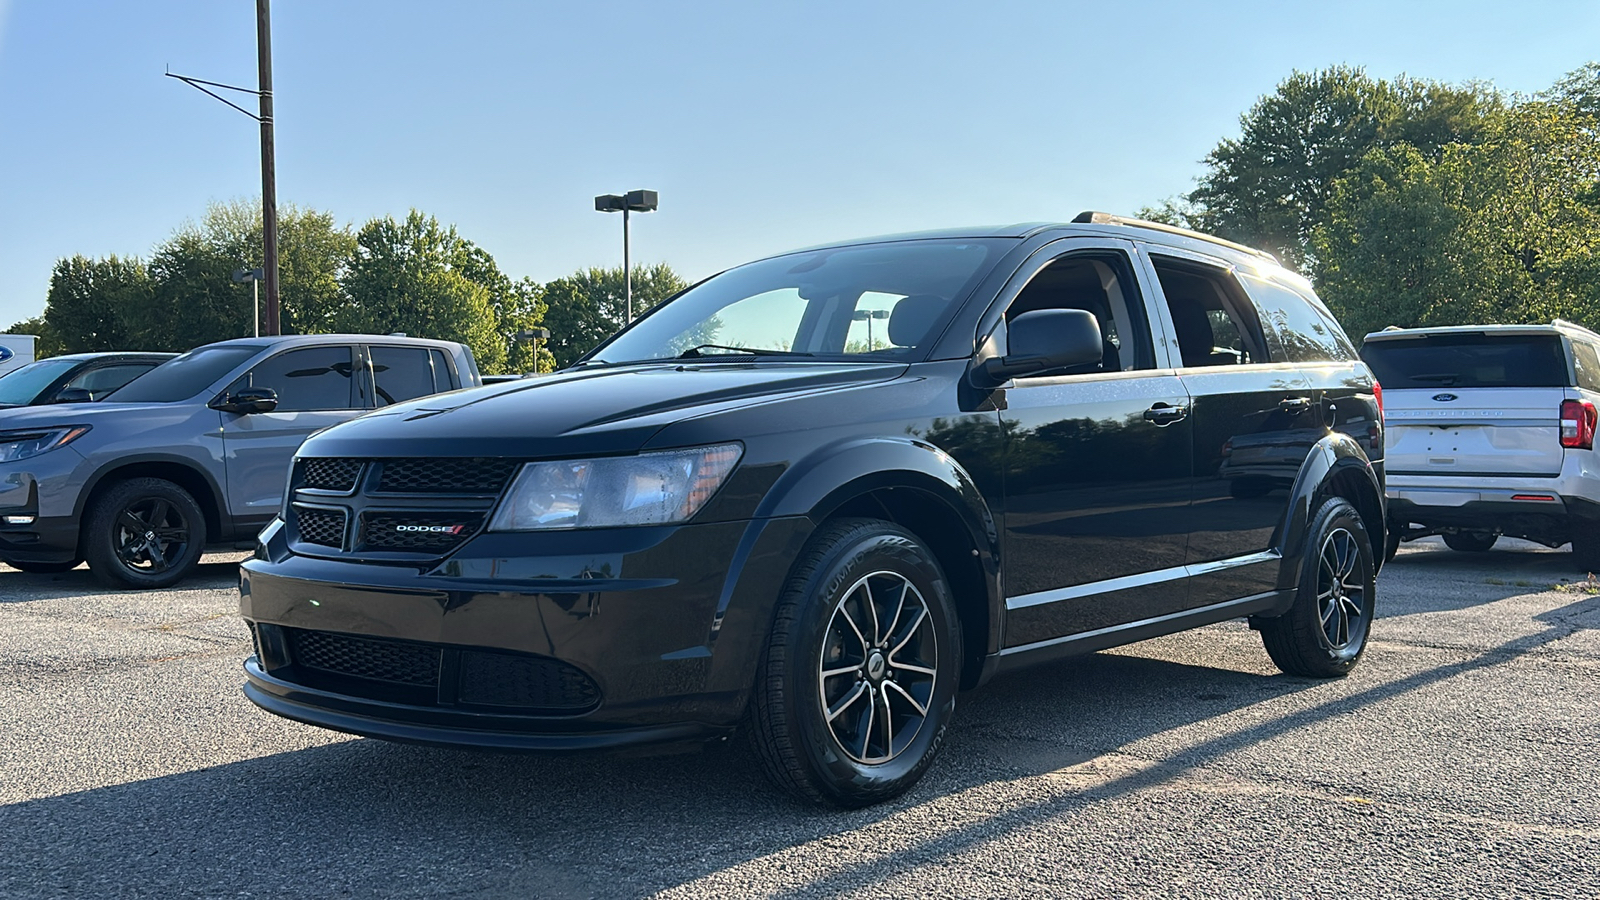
24, 587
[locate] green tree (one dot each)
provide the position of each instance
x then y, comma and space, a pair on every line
418, 277
588, 306
197, 301
48, 343
1270, 186
97, 304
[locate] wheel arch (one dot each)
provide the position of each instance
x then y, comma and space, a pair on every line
923, 490
177, 470
1336, 467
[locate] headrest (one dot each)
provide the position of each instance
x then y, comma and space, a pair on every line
913, 317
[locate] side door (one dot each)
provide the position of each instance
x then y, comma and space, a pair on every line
1255, 421
1097, 459
315, 389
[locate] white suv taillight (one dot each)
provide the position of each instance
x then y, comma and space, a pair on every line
1577, 424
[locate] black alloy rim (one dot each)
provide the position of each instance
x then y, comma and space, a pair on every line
151, 535
878, 667
1342, 602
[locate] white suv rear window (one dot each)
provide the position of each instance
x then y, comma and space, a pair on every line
1468, 360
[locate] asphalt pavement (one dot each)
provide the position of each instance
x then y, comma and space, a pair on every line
1459, 760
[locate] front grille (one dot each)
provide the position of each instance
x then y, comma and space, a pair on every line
398, 531
398, 662
315, 525
501, 679
330, 474
475, 475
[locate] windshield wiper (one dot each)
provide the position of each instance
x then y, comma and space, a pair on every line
694, 352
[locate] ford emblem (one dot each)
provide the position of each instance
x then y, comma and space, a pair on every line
1444, 398
5, 353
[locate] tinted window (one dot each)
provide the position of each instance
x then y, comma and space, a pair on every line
1295, 329
441, 372
819, 303
1103, 285
1468, 360
313, 378
1587, 362
1215, 324
402, 373
105, 379
21, 385
187, 375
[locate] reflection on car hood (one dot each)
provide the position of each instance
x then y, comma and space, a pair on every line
583, 411
54, 415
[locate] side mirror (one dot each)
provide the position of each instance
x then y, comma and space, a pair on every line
73, 395
248, 400
1047, 339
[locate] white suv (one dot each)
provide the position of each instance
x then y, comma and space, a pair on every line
1490, 432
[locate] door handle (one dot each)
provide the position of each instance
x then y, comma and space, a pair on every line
1294, 405
1165, 414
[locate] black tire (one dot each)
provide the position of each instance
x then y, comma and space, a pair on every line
1471, 541
144, 533
869, 570
1325, 632
44, 568
1586, 545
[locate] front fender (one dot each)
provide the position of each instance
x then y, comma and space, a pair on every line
835, 474
1332, 455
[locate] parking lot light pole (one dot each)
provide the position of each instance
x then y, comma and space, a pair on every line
240, 276
867, 315
632, 201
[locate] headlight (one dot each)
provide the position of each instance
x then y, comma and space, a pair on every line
15, 445
648, 489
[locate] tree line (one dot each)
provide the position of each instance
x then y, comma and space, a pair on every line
410, 275
1417, 203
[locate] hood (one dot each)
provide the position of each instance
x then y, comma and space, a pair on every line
582, 412
55, 415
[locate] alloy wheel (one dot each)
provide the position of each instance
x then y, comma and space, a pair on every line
151, 535
878, 667
1342, 598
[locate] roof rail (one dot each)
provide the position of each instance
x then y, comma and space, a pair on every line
1091, 217
1563, 323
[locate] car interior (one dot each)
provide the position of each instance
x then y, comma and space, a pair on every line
1095, 285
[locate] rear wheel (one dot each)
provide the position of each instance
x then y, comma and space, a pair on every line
144, 533
1471, 541
1324, 633
858, 681
44, 568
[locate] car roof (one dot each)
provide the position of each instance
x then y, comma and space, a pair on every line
289, 340
116, 354
1556, 326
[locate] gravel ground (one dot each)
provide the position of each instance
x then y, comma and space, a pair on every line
1459, 760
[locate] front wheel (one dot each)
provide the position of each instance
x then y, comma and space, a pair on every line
1324, 633
144, 533
858, 681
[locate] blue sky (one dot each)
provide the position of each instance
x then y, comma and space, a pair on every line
764, 125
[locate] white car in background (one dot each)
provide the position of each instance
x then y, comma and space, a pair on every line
1490, 431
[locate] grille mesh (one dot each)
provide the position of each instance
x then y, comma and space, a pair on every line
446, 476
382, 531
378, 660
330, 474
531, 682
324, 527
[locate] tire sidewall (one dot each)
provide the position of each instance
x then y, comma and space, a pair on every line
845, 780
1338, 513
100, 546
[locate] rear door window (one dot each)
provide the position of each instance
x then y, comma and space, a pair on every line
403, 373
1296, 330
1215, 324
1468, 359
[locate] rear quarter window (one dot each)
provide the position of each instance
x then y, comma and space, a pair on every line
1587, 363
1468, 360
1296, 329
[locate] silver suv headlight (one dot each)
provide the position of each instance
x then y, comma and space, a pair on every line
647, 489
15, 445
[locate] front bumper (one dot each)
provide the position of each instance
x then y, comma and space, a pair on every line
43, 490
547, 642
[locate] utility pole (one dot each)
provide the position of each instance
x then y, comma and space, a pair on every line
269, 166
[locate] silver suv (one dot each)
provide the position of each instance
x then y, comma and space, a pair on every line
1490, 432
196, 452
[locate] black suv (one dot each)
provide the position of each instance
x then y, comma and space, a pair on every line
818, 494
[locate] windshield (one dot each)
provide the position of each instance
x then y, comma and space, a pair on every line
871, 301
1468, 360
22, 385
187, 375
